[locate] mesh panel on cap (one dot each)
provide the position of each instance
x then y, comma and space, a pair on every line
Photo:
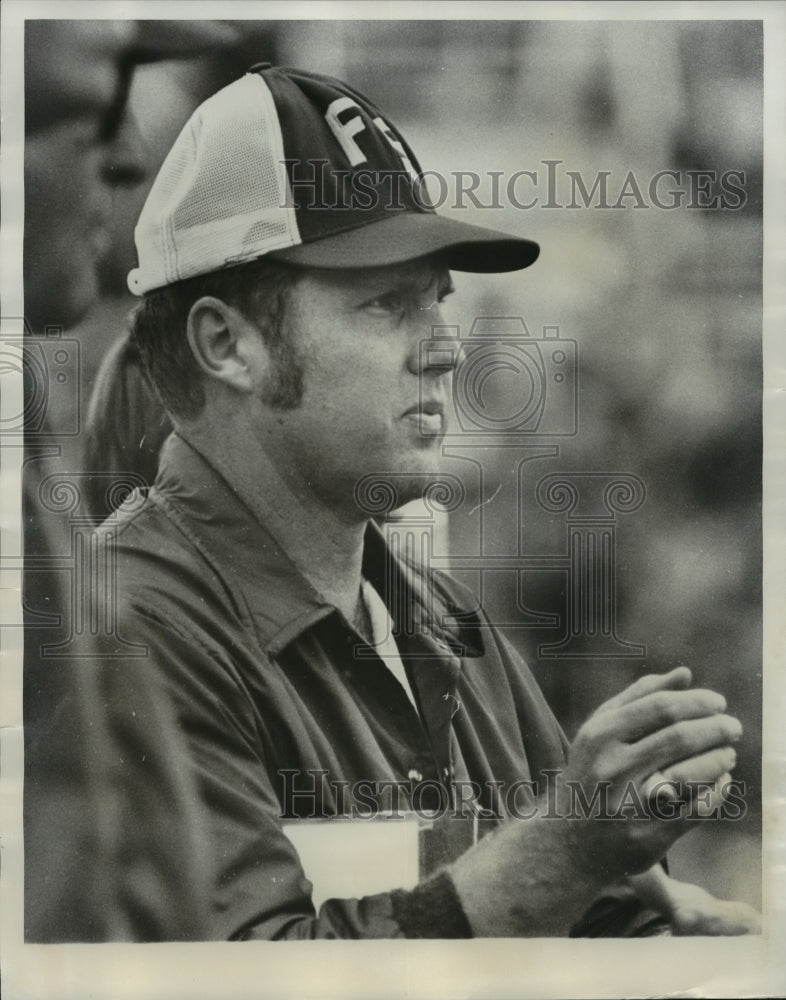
221, 196
237, 175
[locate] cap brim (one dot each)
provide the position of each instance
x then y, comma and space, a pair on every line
404, 236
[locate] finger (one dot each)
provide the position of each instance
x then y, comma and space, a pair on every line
678, 678
673, 782
708, 766
707, 798
663, 708
720, 918
726, 924
658, 788
667, 747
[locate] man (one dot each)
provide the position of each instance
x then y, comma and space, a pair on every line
292, 277
77, 75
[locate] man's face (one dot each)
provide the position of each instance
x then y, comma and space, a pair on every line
369, 403
74, 96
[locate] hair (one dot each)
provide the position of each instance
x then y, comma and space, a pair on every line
259, 289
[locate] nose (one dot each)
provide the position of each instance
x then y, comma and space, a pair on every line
436, 347
125, 163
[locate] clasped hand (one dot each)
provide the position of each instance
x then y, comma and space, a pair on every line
536, 877
655, 733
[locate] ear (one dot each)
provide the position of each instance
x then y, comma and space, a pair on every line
226, 345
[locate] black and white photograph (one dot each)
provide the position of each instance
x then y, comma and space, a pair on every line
392, 499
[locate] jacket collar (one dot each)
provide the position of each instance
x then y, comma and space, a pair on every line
271, 591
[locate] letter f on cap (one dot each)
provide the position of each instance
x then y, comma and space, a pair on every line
344, 131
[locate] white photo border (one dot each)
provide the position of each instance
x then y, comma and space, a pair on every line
742, 967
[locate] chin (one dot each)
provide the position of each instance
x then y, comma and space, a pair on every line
379, 493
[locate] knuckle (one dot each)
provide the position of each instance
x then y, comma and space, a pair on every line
680, 738
648, 683
687, 921
607, 768
665, 708
706, 702
670, 708
590, 733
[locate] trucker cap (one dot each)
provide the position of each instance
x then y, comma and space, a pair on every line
303, 168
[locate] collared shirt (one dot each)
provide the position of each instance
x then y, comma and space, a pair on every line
382, 627
285, 709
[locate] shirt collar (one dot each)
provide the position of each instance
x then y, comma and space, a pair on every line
266, 584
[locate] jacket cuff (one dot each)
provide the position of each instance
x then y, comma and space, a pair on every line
431, 910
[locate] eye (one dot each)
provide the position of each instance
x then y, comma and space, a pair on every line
444, 292
392, 303
397, 302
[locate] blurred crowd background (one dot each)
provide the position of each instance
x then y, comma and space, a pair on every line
664, 305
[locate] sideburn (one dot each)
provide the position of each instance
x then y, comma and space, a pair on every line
282, 388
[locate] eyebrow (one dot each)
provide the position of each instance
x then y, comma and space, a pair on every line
446, 286
412, 280
443, 280
419, 281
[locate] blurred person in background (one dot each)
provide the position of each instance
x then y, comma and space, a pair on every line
76, 75
112, 379
251, 576
80, 144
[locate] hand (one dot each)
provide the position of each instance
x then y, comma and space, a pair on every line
692, 910
655, 726
535, 877
697, 912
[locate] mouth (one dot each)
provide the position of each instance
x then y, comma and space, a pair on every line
428, 416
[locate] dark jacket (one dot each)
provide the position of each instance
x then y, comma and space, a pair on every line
274, 690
